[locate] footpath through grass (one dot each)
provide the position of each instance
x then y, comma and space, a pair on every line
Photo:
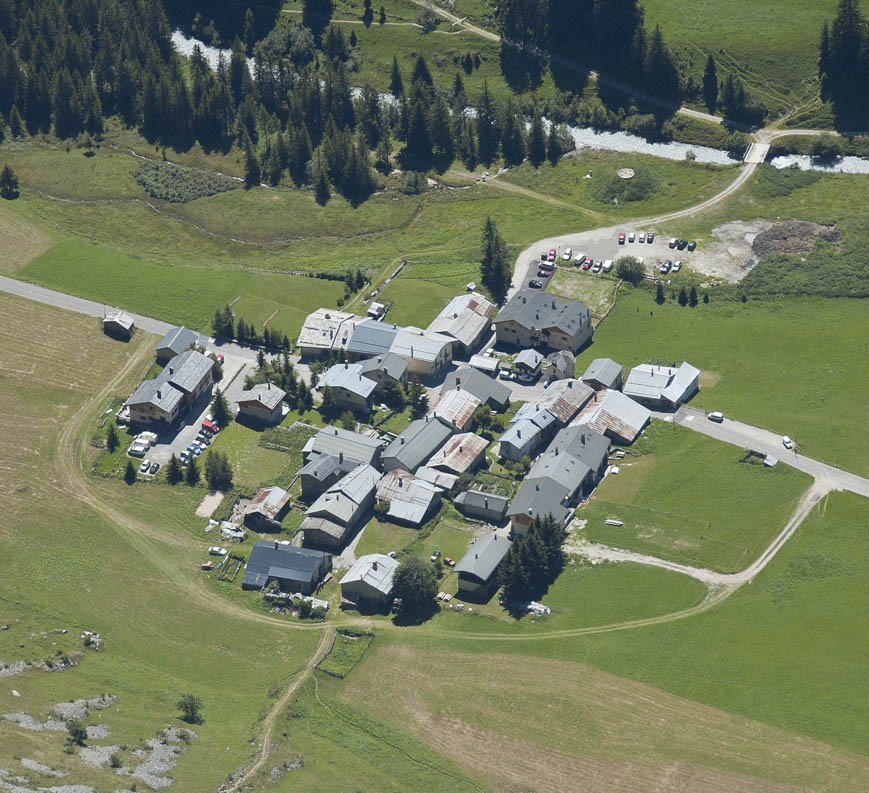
690, 499
789, 365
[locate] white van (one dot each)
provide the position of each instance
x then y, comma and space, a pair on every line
137, 449
607, 265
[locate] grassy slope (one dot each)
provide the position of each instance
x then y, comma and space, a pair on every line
787, 365
691, 500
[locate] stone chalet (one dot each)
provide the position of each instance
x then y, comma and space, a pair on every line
542, 320
262, 402
182, 382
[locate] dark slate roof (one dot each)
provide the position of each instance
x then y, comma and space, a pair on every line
487, 501
371, 337
484, 555
485, 388
186, 370
177, 340
541, 310
270, 559
418, 442
323, 466
537, 498
393, 365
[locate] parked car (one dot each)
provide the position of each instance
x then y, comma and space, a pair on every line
449, 561
220, 358
184, 457
621, 239
650, 237
665, 267
535, 284
568, 253
543, 274
787, 442
146, 464
435, 555
672, 243
216, 550
607, 265
677, 265
137, 450
154, 468
587, 264
579, 258
506, 374
682, 244
642, 237
631, 236
597, 267
692, 245
552, 254
715, 415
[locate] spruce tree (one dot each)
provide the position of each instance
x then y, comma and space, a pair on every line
322, 194
382, 17
396, 84
8, 183
710, 84
512, 136
249, 32
220, 409
683, 297
692, 296
174, 471
537, 141
16, 125
487, 128
441, 134
705, 298
130, 473
494, 266
659, 294
111, 437
554, 147
192, 474
251, 170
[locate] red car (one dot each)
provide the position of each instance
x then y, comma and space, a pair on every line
543, 273
621, 239
552, 254
586, 265
449, 562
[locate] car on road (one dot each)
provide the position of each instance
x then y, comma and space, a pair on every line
692, 245
220, 358
715, 415
154, 468
597, 267
552, 254
677, 265
587, 264
787, 442
673, 242
567, 254
216, 550
642, 237
631, 236
146, 464
682, 244
435, 555
621, 239
650, 237
665, 267
535, 284
578, 259
607, 265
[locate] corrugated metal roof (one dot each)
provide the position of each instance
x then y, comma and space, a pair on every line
419, 441
485, 501
437, 478
120, 318
679, 386
564, 398
465, 318
603, 370
650, 381
177, 340
456, 408
419, 345
349, 377
485, 363
542, 311
410, 499
266, 394
375, 569
459, 453
337, 441
485, 388
484, 555
371, 337
268, 501
613, 412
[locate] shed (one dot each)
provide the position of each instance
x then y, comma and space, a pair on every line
603, 373
267, 509
369, 580
119, 324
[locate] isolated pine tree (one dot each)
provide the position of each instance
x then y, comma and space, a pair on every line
494, 265
536, 141
692, 297
174, 471
8, 183
710, 84
130, 473
111, 437
683, 297
396, 84
220, 409
192, 475
659, 294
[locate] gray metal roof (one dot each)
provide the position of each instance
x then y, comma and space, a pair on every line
537, 498
343, 500
681, 384
464, 318
419, 345
371, 337
391, 364
270, 559
327, 329
120, 318
485, 388
410, 498
487, 501
349, 377
177, 340
417, 443
603, 370
322, 466
337, 440
484, 555
523, 429
485, 363
529, 358
455, 407
649, 381
156, 392
436, 477
375, 569
268, 501
266, 394
542, 311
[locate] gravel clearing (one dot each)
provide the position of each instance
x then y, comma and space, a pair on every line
80, 708
40, 768
27, 721
97, 756
160, 758
15, 668
97, 732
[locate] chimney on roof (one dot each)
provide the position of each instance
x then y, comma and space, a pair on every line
171, 370
345, 364
159, 395
340, 457
460, 448
530, 511
374, 565
582, 438
570, 383
553, 304
519, 434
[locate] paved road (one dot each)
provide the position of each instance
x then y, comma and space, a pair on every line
766, 442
